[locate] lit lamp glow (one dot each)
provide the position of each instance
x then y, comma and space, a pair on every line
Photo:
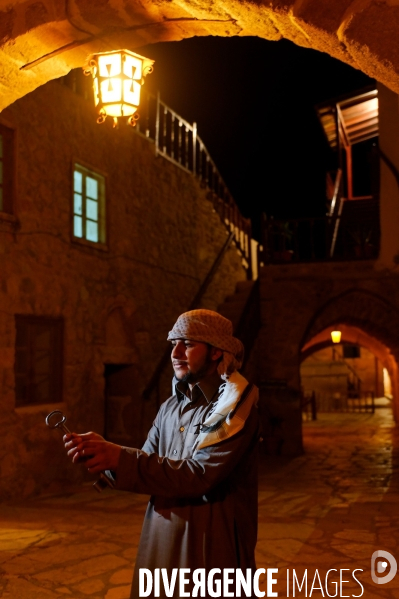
336, 336
117, 80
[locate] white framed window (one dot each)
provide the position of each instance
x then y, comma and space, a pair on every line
88, 205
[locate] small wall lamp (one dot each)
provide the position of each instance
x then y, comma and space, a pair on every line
336, 336
117, 80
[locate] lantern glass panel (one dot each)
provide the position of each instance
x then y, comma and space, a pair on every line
118, 77
131, 92
117, 110
110, 65
111, 90
133, 67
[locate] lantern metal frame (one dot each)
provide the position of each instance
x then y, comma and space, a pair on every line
128, 109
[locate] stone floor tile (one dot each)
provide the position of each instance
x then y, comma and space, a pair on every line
15, 539
90, 586
330, 508
19, 588
86, 568
121, 577
122, 592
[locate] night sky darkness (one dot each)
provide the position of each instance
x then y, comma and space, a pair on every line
253, 101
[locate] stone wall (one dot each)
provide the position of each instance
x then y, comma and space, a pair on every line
302, 302
298, 303
322, 370
117, 303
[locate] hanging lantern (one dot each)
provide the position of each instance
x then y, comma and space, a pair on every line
336, 336
117, 80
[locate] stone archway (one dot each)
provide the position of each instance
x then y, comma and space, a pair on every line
43, 39
365, 319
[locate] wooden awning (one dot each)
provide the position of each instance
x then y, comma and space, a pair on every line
354, 118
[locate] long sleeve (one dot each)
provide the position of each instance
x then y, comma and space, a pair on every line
151, 444
145, 471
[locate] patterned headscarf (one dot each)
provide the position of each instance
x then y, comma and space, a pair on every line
210, 327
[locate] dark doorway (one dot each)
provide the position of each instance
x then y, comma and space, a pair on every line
122, 404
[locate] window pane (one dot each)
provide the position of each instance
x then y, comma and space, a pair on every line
92, 209
91, 231
88, 205
91, 188
77, 203
77, 226
78, 181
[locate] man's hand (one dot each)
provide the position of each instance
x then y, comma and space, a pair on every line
92, 449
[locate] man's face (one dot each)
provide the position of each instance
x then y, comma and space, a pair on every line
193, 360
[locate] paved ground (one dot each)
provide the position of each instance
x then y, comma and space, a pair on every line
328, 509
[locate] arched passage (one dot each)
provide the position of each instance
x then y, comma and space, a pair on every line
43, 39
364, 319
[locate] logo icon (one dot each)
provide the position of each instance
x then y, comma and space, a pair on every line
383, 558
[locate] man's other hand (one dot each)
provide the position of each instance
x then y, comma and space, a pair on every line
92, 449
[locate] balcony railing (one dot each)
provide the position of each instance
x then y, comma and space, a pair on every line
311, 240
178, 141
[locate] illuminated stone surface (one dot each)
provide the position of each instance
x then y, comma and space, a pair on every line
62, 35
330, 508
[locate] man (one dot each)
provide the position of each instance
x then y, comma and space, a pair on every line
199, 460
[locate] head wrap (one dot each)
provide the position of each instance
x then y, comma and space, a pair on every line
210, 327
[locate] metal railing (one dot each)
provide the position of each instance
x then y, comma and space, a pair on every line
178, 141
336, 208
336, 193
310, 240
327, 402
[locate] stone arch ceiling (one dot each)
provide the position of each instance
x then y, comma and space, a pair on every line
362, 310
43, 39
